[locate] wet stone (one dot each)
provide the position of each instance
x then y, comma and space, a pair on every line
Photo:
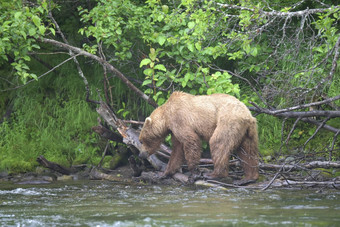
65, 178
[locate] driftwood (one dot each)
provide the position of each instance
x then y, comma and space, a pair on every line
297, 167
55, 166
94, 173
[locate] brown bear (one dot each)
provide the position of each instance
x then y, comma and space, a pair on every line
221, 120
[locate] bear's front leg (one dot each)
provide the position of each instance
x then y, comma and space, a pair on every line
192, 152
176, 158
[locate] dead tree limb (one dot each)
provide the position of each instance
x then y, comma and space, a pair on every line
290, 114
80, 71
274, 178
107, 134
305, 116
316, 131
55, 166
335, 184
130, 135
276, 13
295, 167
325, 101
104, 63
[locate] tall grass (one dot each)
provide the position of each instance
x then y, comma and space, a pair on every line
59, 131
51, 117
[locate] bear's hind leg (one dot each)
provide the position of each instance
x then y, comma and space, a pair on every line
226, 138
248, 154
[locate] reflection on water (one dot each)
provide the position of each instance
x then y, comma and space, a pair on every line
98, 203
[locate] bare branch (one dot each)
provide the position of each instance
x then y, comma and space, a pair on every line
329, 100
310, 165
273, 179
335, 59
302, 114
334, 139
44, 74
328, 127
317, 130
80, 71
106, 64
278, 13
292, 130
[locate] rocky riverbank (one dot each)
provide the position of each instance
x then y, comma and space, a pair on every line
46, 176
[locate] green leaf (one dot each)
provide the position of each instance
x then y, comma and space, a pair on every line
27, 58
23, 33
119, 31
146, 82
160, 17
52, 30
34, 76
148, 72
254, 52
161, 39
198, 46
17, 15
184, 83
36, 20
191, 47
145, 61
165, 8
32, 31
247, 48
152, 54
42, 29
191, 24
160, 67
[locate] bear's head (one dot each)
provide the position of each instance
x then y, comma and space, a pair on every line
150, 137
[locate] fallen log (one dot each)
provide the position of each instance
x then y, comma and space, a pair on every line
55, 166
107, 134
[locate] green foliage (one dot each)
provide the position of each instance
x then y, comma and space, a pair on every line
115, 24
155, 74
181, 35
21, 27
179, 39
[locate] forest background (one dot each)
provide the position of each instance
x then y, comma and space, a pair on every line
59, 58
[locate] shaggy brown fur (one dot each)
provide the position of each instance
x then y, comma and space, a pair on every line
222, 120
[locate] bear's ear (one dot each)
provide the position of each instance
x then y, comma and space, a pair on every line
148, 120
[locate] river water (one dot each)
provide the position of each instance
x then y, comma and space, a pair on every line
99, 203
